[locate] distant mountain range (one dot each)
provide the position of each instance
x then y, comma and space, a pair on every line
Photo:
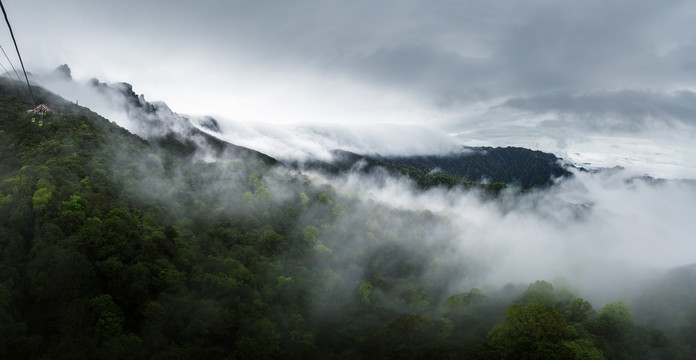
520, 167
185, 137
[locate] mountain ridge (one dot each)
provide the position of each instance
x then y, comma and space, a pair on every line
202, 138
156, 122
519, 167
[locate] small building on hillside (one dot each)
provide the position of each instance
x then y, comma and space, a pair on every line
41, 110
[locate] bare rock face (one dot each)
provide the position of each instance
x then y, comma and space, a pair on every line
63, 71
209, 123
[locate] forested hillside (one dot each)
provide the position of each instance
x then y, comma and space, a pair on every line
114, 247
488, 168
522, 167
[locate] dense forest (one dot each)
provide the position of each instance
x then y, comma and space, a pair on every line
115, 247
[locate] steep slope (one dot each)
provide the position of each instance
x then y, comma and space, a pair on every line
156, 122
99, 228
152, 121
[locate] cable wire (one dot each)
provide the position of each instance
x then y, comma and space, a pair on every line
18, 54
7, 72
19, 78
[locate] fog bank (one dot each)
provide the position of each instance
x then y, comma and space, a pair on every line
604, 234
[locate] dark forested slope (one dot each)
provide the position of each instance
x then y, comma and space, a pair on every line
520, 167
523, 167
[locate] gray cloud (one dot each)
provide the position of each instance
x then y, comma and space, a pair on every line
443, 75
619, 111
571, 45
501, 48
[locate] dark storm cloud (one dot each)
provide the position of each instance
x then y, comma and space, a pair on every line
443, 51
444, 74
473, 50
571, 45
453, 51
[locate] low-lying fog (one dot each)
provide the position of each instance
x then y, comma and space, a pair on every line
604, 234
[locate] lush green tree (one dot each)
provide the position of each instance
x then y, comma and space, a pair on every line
42, 196
271, 242
613, 322
532, 331
614, 328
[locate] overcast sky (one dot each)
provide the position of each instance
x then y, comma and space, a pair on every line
602, 82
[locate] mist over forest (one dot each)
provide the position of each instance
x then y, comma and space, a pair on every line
133, 231
393, 179
599, 219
